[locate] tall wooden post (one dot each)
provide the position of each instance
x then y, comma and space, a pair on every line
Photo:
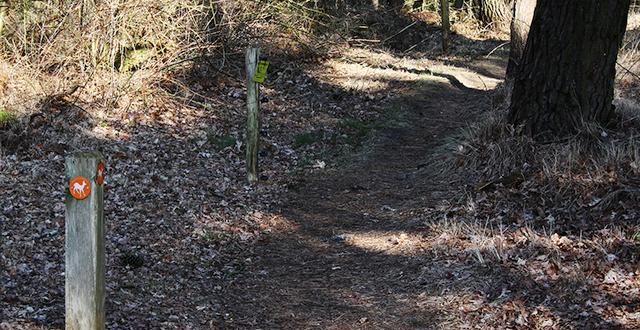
253, 112
84, 243
446, 25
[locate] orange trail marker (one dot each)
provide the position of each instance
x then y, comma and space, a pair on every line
79, 187
100, 174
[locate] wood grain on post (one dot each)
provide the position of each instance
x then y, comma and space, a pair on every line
253, 114
446, 25
84, 246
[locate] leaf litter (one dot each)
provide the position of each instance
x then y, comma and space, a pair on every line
335, 235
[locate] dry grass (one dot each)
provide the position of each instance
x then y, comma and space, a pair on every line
560, 217
493, 149
585, 186
116, 50
123, 54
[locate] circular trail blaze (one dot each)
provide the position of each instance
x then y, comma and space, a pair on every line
79, 187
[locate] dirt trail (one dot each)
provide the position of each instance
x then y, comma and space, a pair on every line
357, 258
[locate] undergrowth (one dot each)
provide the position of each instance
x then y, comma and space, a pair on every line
582, 182
112, 54
132, 55
494, 148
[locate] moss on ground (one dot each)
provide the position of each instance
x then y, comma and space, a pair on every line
6, 118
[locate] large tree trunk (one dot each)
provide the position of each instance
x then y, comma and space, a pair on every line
568, 67
520, 23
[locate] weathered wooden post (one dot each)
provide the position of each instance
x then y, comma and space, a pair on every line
253, 112
84, 242
446, 25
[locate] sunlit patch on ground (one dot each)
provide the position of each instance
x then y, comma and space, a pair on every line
360, 77
468, 78
392, 243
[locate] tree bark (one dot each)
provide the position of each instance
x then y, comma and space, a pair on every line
568, 66
520, 24
496, 13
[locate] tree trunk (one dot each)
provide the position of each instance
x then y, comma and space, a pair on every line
495, 13
568, 67
520, 23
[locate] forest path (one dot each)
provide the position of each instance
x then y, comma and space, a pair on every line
358, 256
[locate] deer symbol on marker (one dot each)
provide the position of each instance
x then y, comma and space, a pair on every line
79, 187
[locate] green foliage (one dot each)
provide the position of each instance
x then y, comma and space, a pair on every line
133, 59
7, 118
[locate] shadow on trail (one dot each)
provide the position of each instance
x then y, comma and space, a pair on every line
359, 259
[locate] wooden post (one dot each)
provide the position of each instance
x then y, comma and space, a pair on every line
253, 111
446, 27
84, 243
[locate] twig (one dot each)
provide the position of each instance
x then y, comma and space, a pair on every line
483, 83
399, 32
614, 196
366, 40
635, 75
499, 46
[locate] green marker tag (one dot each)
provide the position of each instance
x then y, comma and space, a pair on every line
261, 71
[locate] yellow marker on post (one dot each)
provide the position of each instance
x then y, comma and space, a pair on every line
261, 71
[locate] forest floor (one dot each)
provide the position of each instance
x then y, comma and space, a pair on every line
357, 251
361, 219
